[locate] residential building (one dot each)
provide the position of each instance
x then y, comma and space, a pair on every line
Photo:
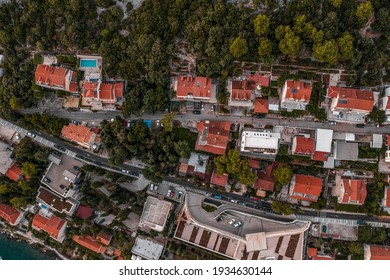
189, 88
195, 165
55, 202
53, 225
350, 191
386, 103
219, 180
7, 165
10, 214
323, 147
90, 243
349, 104
303, 146
386, 200
312, 254
259, 144
376, 252
260, 106
14, 173
213, 137
62, 175
81, 135
295, 95
307, 188
56, 78
148, 249
377, 141
104, 238
155, 214
98, 95
265, 181
84, 212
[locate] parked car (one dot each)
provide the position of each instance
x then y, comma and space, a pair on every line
232, 126
196, 112
360, 125
233, 200
217, 196
202, 107
135, 174
242, 203
332, 123
169, 193
172, 194
220, 218
125, 171
30, 134
180, 195
255, 198
237, 224
76, 168
232, 221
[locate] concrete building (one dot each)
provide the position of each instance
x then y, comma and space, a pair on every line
195, 165
51, 224
259, 144
49, 199
295, 95
146, 248
155, 214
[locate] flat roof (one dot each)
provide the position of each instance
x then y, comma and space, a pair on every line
147, 248
260, 139
155, 213
199, 161
55, 201
56, 173
324, 140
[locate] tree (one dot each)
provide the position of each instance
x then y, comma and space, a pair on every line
261, 25
265, 47
345, 44
19, 202
283, 174
364, 11
239, 47
281, 207
167, 122
290, 44
377, 116
29, 169
336, 3
355, 248
326, 52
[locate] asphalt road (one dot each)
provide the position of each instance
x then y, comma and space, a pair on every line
301, 123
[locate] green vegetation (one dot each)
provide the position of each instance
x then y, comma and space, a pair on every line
261, 25
367, 152
377, 116
372, 235
235, 165
283, 174
184, 134
239, 47
281, 207
208, 208
364, 11
317, 97
167, 122
45, 122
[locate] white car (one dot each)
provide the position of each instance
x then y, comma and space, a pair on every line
237, 224
232, 221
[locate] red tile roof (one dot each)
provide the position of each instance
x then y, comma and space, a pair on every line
351, 98
197, 87
261, 106
304, 146
259, 79
306, 187
104, 238
79, 134
219, 180
388, 139
90, 243
90, 89
379, 252
242, 90
9, 213
298, 90
311, 252
84, 212
54, 77
52, 225
110, 92
387, 202
320, 156
265, 180
253, 163
14, 172
213, 137
354, 191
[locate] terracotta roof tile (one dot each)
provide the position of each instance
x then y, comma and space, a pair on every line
198, 87
90, 243
355, 191
104, 238
304, 146
253, 163
298, 90
261, 106
320, 156
79, 134
217, 180
9, 213
306, 187
54, 77
351, 98
213, 137
379, 252
259, 79
14, 173
52, 225
387, 202
265, 180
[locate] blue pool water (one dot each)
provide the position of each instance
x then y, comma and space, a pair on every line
148, 123
87, 63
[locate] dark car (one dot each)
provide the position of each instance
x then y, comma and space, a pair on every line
232, 126
76, 168
135, 174
196, 112
360, 125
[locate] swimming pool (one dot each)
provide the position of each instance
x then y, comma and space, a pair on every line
88, 63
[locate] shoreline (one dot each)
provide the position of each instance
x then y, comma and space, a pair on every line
33, 242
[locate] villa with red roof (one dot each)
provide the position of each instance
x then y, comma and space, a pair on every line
10, 214
323, 147
312, 254
81, 135
53, 225
219, 180
213, 137
56, 78
261, 106
295, 95
7, 165
305, 187
376, 252
386, 200
90, 243
189, 88
104, 238
350, 191
303, 146
350, 104
386, 103
98, 95
265, 180
14, 172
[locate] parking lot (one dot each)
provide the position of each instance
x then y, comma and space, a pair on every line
169, 190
